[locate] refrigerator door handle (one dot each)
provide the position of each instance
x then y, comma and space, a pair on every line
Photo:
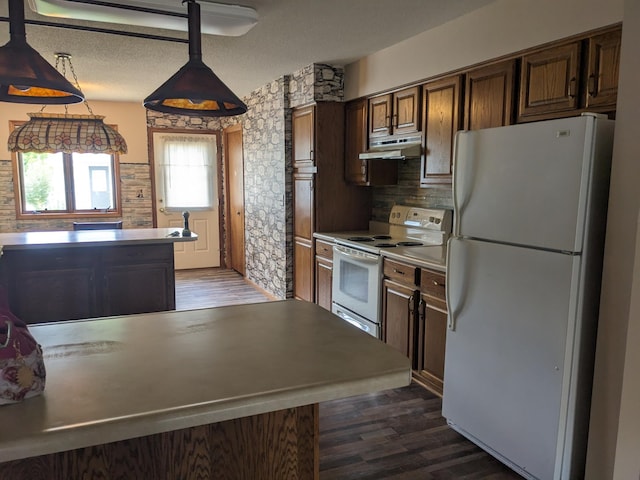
456, 279
461, 143
451, 322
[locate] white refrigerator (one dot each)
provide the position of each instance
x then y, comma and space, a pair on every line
523, 287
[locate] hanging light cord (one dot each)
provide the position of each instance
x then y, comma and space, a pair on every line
61, 66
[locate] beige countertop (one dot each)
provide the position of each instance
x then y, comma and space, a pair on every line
91, 238
122, 377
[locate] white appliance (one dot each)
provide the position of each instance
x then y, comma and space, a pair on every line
357, 261
523, 286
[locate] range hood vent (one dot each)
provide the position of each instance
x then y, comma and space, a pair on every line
395, 149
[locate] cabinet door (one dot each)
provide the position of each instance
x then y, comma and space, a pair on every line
398, 310
303, 203
489, 96
602, 74
441, 113
303, 269
303, 136
549, 81
355, 170
324, 278
432, 341
380, 116
137, 288
406, 111
46, 295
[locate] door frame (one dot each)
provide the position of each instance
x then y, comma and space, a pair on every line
227, 200
219, 192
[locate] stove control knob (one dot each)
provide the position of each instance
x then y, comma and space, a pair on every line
437, 221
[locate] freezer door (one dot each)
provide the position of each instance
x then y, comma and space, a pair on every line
505, 382
526, 184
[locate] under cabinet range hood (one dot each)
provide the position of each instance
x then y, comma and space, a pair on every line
397, 149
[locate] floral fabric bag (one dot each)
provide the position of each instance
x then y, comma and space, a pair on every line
22, 372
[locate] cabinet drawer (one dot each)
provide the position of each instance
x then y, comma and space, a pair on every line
432, 283
401, 272
138, 253
324, 249
50, 258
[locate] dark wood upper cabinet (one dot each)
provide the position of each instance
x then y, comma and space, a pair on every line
570, 78
550, 80
363, 172
396, 113
489, 94
303, 124
442, 102
602, 70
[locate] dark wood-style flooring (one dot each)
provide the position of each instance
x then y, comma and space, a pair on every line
397, 434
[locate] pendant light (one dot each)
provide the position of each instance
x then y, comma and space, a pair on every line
195, 89
26, 77
67, 133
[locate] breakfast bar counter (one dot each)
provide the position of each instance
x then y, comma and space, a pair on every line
67, 275
228, 392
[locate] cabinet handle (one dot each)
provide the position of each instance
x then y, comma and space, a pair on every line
395, 123
395, 270
437, 284
387, 122
411, 304
592, 85
572, 88
311, 154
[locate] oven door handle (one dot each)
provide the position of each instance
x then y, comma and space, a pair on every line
365, 257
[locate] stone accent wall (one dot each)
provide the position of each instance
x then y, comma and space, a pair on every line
317, 82
267, 177
408, 192
135, 186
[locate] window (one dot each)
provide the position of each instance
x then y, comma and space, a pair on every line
187, 173
66, 185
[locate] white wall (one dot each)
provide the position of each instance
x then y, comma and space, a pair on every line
620, 312
506, 26
500, 28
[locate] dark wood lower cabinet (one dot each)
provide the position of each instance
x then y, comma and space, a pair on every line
414, 318
303, 269
275, 445
324, 273
53, 284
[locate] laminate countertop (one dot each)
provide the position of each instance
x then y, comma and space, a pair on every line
116, 378
92, 238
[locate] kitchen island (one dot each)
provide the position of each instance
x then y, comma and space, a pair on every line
224, 393
67, 275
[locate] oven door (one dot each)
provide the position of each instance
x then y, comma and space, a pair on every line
356, 282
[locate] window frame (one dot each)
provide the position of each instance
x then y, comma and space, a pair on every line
18, 188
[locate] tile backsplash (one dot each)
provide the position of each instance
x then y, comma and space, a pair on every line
408, 192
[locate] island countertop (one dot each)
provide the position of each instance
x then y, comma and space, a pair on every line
122, 377
91, 238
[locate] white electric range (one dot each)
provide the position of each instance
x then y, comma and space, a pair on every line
415, 234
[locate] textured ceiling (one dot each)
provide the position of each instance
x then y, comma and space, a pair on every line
290, 34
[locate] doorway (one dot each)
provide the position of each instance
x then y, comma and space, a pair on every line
185, 172
234, 163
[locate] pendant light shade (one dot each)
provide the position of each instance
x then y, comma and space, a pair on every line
195, 89
52, 133
26, 77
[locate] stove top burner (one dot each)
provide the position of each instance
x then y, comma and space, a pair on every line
385, 245
409, 244
360, 239
381, 237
